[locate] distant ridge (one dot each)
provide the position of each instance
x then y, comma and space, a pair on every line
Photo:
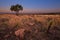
56, 13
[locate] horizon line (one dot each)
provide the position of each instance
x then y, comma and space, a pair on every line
56, 13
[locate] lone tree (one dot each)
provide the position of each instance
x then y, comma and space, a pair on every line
16, 8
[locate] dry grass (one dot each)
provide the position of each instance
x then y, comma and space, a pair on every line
36, 24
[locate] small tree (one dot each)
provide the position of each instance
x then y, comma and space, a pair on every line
16, 8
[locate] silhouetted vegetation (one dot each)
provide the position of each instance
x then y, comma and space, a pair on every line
16, 8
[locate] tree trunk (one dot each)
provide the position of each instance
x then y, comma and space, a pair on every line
17, 13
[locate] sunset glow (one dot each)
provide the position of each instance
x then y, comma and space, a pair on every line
32, 5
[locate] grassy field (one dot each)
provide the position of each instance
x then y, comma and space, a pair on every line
32, 27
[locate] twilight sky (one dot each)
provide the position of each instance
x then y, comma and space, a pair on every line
32, 5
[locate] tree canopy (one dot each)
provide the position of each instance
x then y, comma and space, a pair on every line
16, 8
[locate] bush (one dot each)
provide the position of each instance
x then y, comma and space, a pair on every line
4, 20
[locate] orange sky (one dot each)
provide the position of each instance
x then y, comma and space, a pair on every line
33, 10
40, 6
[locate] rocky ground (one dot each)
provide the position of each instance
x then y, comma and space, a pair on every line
29, 27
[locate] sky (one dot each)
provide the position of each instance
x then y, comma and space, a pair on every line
31, 5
